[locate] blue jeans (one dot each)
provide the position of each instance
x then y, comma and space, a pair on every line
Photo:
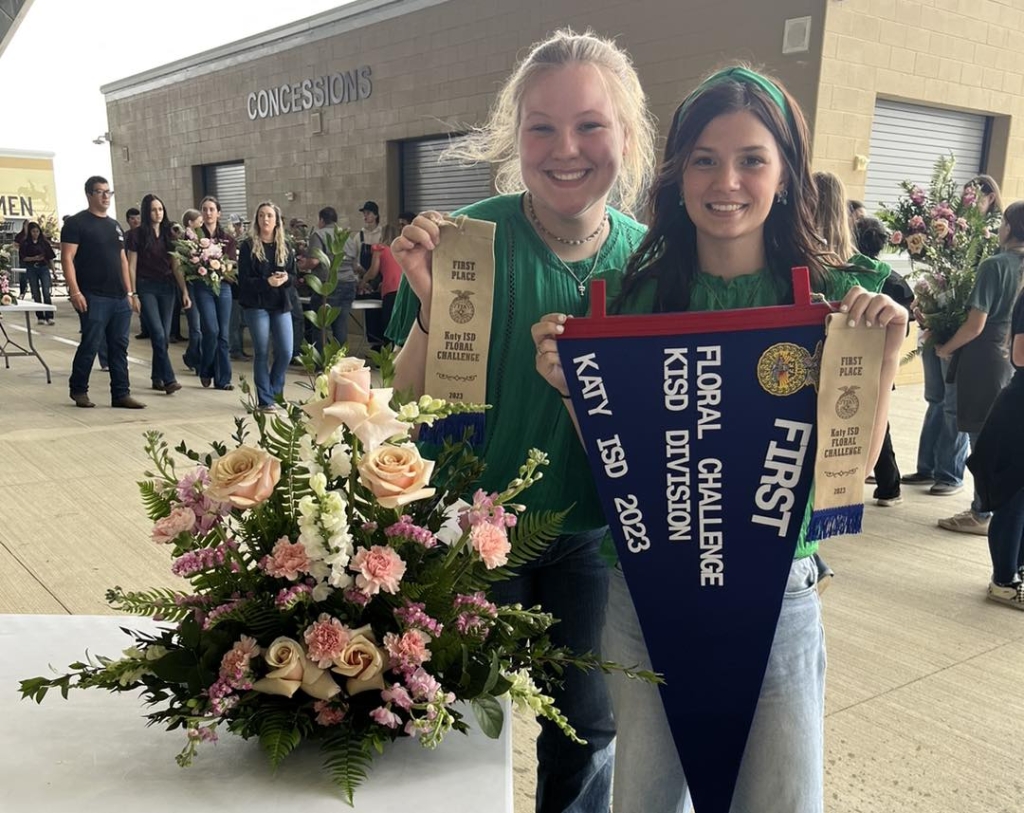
342, 298
40, 283
264, 326
194, 351
235, 339
1006, 540
570, 581
157, 299
105, 324
783, 765
215, 322
941, 448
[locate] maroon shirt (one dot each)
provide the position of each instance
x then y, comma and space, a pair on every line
29, 249
154, 259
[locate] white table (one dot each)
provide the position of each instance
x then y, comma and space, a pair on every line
10, 347
93, 751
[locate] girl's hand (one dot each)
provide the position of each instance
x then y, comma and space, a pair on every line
277, 279
545, 338
942, 352
862, 307
414, 249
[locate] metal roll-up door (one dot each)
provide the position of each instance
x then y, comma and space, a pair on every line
907, 139
226, 182
430, 183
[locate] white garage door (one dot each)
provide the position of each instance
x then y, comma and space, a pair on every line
906, 140
429, 183
226, 182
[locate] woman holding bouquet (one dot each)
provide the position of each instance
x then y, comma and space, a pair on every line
157, 279
571, 133
730, 214
192, 219
266, 268
215, 309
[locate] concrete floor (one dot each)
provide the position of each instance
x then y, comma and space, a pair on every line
924, 687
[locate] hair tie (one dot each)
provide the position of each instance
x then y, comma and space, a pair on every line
745, 76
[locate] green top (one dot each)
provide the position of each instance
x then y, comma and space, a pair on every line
530, 281
995, 291
756, 290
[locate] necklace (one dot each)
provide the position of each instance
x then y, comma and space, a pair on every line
581, 283
540, 226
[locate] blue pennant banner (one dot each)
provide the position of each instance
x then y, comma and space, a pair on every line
700, 431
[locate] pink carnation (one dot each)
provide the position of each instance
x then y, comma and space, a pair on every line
287, 560
201, 271
234, 666
180, 520
326, 714
398, 695
408, 650
491, 542
379, 568
325, 639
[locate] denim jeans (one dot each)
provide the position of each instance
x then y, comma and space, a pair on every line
215, 321
264, 327
194, 351
342, 297
1006, 540
783, 765
157, 299
570, 581
105, 324
237, 324
941, 448
40, 283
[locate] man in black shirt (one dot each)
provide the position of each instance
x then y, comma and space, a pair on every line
96, 271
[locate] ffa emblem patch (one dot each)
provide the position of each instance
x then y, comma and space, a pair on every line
787, 368
461, 310
848, 403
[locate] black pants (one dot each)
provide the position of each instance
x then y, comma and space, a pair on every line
887, 473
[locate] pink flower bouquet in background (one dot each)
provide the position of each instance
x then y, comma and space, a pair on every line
202, 259
946, 236
336, 586
8, 295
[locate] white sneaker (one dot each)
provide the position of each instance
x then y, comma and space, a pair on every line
1014, 596
889, 502
966, 522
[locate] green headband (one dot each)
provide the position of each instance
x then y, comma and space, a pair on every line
739, 74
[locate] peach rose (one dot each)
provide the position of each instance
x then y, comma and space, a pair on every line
348, 382
292, 670
940, 228
915, 243
244, 477
362, 662
396, 475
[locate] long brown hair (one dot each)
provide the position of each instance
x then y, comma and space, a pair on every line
668, 253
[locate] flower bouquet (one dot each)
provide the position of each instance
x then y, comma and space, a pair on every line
8, 296
337, 587
203, 259
946, 236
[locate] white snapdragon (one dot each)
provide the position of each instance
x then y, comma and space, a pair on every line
318, 482
341, 461
408, 412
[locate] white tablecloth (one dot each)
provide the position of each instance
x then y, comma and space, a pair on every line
93, 751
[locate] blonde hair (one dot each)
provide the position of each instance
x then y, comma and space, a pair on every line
280, 245
497, 141
189, 216
832, 217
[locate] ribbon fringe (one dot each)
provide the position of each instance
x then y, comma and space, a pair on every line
454, 428
845, 519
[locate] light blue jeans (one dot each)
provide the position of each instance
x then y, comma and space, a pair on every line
266, 327
783, 765
942, 448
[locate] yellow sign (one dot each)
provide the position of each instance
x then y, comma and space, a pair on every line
27, 188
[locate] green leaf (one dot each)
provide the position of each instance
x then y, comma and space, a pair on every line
314, 283
489, 715
177, 666
347, 759
279, 734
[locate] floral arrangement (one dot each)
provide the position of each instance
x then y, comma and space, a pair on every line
50, 228
946, 236
203, 259
7, 294
337, 586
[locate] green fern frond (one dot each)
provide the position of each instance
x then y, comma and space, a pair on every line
159, 601
264, 620
279, 734
347, 760
157, 505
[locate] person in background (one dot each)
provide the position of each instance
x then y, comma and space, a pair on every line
192, 219
363, 242
942, 448
159, 282
573, 141
982, 342
215, 310
133, 219
19, 239
871, 238
96, 271
266, 268
298, 239
831, 216
344, 294
37, 255
404, 219
236, 329
385, 266
855, 208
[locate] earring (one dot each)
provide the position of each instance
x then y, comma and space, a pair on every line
682, 203
782, 196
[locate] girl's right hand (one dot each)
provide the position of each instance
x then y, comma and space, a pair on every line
414, 249
545, 338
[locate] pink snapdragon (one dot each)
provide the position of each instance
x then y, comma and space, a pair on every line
288, 597
386, 717
408, 650
196, 561
483, 509
423, 685
378, 568
477, 616
398, 695
287, 560
413, 616
326, 638
917, 195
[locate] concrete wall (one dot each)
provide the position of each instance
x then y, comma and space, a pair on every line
433, 70
960, 54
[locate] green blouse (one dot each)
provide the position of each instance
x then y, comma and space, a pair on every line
751, 291
526, 412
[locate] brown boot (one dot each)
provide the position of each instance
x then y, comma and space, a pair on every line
172, 388
81, 399
127, 402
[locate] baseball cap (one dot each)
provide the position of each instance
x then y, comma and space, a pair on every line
371, 206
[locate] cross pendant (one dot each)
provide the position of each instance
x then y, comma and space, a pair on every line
581, 288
